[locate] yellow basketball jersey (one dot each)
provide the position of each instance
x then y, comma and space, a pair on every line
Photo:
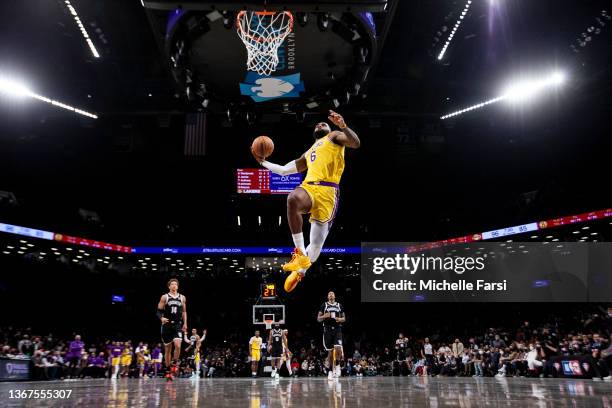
325, 161
256, 343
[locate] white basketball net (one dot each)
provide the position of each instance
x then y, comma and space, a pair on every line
262, 34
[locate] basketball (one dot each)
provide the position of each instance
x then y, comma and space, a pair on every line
263, 146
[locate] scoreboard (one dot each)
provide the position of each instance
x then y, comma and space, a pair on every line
268, 291
263, 181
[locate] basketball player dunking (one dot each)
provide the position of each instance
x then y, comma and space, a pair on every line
172, 311
332, 316
276, 344
318, 195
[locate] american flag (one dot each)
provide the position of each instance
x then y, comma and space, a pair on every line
195, 134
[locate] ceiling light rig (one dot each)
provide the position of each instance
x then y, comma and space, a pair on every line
454, 29
586, 38
517, 92
90, 43
18, 89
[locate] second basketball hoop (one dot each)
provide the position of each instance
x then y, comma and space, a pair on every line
262, 33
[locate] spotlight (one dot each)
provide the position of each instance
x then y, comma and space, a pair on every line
518, 92
323, 21
18, 89
523, 90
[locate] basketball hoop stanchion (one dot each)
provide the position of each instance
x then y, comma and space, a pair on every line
262, 33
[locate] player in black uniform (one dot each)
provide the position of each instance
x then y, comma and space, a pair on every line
276, 343
401, 346
193, 351
172, 311
332, 316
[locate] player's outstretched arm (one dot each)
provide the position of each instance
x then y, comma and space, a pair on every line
345, 136
293, 167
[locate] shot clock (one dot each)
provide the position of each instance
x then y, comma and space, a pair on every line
268, 291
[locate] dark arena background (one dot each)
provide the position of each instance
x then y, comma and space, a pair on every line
125, 136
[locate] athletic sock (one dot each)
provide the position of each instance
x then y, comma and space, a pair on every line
298, 241
302, 271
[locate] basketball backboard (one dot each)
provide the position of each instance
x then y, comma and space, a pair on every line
263, 312
323, 62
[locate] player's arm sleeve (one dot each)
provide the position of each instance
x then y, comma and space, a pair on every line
289, 168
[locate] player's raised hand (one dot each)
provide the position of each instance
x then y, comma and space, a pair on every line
256, 156
336, 119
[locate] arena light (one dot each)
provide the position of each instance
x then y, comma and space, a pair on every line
90, 43
516, 92
19, 89
527, 89
454, 29
473, 107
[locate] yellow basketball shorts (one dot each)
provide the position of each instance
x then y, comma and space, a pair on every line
325, 201
126, 361
115, 361
255, 355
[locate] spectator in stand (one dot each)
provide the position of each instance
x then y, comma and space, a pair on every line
466, 363
295, 367
533, 358
427, 354
40, 366
140, 358
82, 364
477, 358
96, 366
54, 365
498, 342
156, 359
457, 352
495, 357
25, 346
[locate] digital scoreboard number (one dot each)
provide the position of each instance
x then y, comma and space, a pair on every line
268, 291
